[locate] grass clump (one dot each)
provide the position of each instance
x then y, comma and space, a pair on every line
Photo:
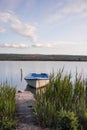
67, 121
63, 104
7, 107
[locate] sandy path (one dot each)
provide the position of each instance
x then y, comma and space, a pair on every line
25, 108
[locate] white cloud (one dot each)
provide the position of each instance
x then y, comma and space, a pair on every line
57, 44
69, 9
23, 29
75, 7
14, 45
37, 45
5, 16
2, 30
54, 45
48, 45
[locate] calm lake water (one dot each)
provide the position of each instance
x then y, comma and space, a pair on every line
10, 71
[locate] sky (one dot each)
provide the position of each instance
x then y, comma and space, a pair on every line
43, 27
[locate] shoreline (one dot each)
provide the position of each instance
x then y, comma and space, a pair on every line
41, 57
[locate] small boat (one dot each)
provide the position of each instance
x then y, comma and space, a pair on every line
37, 80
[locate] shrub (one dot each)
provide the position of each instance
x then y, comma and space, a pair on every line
67, 121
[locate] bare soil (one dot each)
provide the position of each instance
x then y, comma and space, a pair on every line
25, 112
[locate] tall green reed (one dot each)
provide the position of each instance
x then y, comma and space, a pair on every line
7, 106
61, 94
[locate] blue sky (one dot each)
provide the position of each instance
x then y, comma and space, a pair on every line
43, 26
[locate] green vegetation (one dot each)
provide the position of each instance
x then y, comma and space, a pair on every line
7, 107
63, 104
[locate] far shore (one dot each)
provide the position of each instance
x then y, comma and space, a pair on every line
41, 57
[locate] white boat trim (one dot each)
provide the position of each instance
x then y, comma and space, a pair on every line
37, 82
